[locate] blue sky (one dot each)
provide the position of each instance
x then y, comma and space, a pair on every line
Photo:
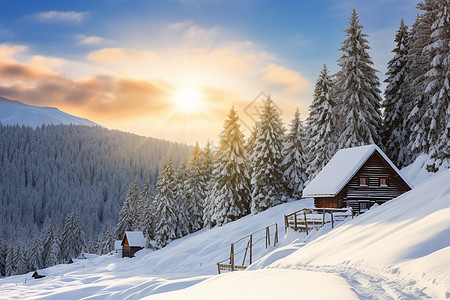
224, 51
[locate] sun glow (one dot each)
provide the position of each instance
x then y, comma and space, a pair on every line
188, 100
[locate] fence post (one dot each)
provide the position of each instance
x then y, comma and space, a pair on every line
306, 223
275, 241
332, 220
295, 221
323, 217
232, 257
218, 267
286, 223
251, 248
268, 236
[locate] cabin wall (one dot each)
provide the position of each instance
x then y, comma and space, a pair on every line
363, 197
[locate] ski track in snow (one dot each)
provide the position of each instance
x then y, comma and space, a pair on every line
372, 285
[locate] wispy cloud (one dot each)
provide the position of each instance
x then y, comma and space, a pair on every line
54, 16
90, 40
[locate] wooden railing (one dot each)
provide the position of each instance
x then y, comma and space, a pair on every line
307, 219
252, 239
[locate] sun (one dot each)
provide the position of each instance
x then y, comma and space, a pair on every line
188, 100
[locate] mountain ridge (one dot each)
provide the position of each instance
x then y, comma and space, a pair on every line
14, 112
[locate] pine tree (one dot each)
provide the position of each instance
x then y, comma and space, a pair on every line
195, 190
48, 237
10, 264
418, 65
437, 83
395, 134
72, 238
321, 126
230, 192
294, 162
181, 178
128, 216
106, 241
208, 162
267, 171
147, 220
36, 254
166, 227
358, 95
54, 255
3, 251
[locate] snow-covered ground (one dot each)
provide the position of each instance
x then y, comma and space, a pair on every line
400, 250
182, 263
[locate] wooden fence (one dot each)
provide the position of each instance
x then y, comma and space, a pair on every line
245, 246
307, 219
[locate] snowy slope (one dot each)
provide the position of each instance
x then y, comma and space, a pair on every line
182, 263
14, 112
400, 250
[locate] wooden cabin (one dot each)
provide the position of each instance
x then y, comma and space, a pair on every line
358, 178
132, 242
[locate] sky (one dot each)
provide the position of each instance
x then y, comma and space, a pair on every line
173, 69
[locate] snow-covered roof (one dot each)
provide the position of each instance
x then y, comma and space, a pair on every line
341, 168
118, 245
135, 238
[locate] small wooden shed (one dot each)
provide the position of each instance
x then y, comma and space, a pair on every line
358, 178
36, 275
132, 242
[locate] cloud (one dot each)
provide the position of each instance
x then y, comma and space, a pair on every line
118, 56
61, 16
90, 40
291, 81
99, 96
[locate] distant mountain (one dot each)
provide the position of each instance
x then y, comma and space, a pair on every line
14, 112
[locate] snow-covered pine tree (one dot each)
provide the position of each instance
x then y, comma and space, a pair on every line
321, 126
437, 84
418, 65
35, 261
395, 134
54, 255
294, 162
196, 186
181, 177
147, 220
10, 264
128, 216
3, 250
106, 241
48, 237
230, 192
208, 161
358, 97
267, 170
166, 214
208, 166
72, 238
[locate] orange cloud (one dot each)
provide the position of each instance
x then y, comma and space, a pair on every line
291, 81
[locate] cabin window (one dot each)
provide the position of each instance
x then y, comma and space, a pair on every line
363, 181
383, 181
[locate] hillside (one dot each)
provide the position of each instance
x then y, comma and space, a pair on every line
52, 170
14, 112
399, 250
